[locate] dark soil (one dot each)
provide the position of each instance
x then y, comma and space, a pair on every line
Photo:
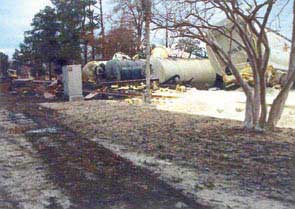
90, 175
251, 162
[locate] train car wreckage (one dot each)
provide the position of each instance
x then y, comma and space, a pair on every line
201, 73
195, 72
278, 61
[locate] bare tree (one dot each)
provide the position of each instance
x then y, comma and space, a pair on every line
135, 13
115, 42
279, 103
246, 30
163, 12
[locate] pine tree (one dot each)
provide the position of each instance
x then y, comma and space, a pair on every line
44, 37
3, 65
70, 16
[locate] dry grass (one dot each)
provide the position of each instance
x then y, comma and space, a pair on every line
248, 161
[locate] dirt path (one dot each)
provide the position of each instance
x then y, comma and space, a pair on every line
23, 175
57, 168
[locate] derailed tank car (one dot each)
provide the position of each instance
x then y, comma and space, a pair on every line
124, 70
197, 72
92, 71
279, 45
113, 70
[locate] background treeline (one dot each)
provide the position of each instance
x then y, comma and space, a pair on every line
73, 32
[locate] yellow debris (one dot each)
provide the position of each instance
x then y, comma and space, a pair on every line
114, 86
155, 85
135, 101
247, 75
180, 88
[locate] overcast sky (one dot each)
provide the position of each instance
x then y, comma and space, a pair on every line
15, 19
16, 16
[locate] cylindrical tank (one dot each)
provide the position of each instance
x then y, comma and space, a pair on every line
91, 70
279, 49
199, 72
124, 70
160, 52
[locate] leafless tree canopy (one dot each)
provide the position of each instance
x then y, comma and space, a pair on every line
245, 29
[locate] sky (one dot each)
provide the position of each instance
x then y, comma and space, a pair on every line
15, 19
16, 16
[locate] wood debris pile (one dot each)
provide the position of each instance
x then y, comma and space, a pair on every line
42, 88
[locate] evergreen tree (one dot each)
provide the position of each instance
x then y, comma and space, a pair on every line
77, 30
3, 65
90, 23
60, 34
44, 38
70, 17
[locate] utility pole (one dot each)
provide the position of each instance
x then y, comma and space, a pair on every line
166, 29
102, 29
147, 7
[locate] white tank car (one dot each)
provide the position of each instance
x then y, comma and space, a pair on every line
200, 73
279, 54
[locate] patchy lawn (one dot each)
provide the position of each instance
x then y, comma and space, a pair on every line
232, 159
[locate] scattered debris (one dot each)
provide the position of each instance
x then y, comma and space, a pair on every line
5, 85
278, 63
48, 95
41, 88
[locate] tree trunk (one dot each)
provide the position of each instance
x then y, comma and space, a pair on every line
93, 52
250, 97
277, 107
92, 28
147, 7
85, 53
166, 33
248, 122
102, 30
263, 114
139, 36
256, 106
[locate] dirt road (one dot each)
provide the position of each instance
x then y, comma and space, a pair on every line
43, 165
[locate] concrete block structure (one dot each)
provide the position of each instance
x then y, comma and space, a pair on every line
72, 81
